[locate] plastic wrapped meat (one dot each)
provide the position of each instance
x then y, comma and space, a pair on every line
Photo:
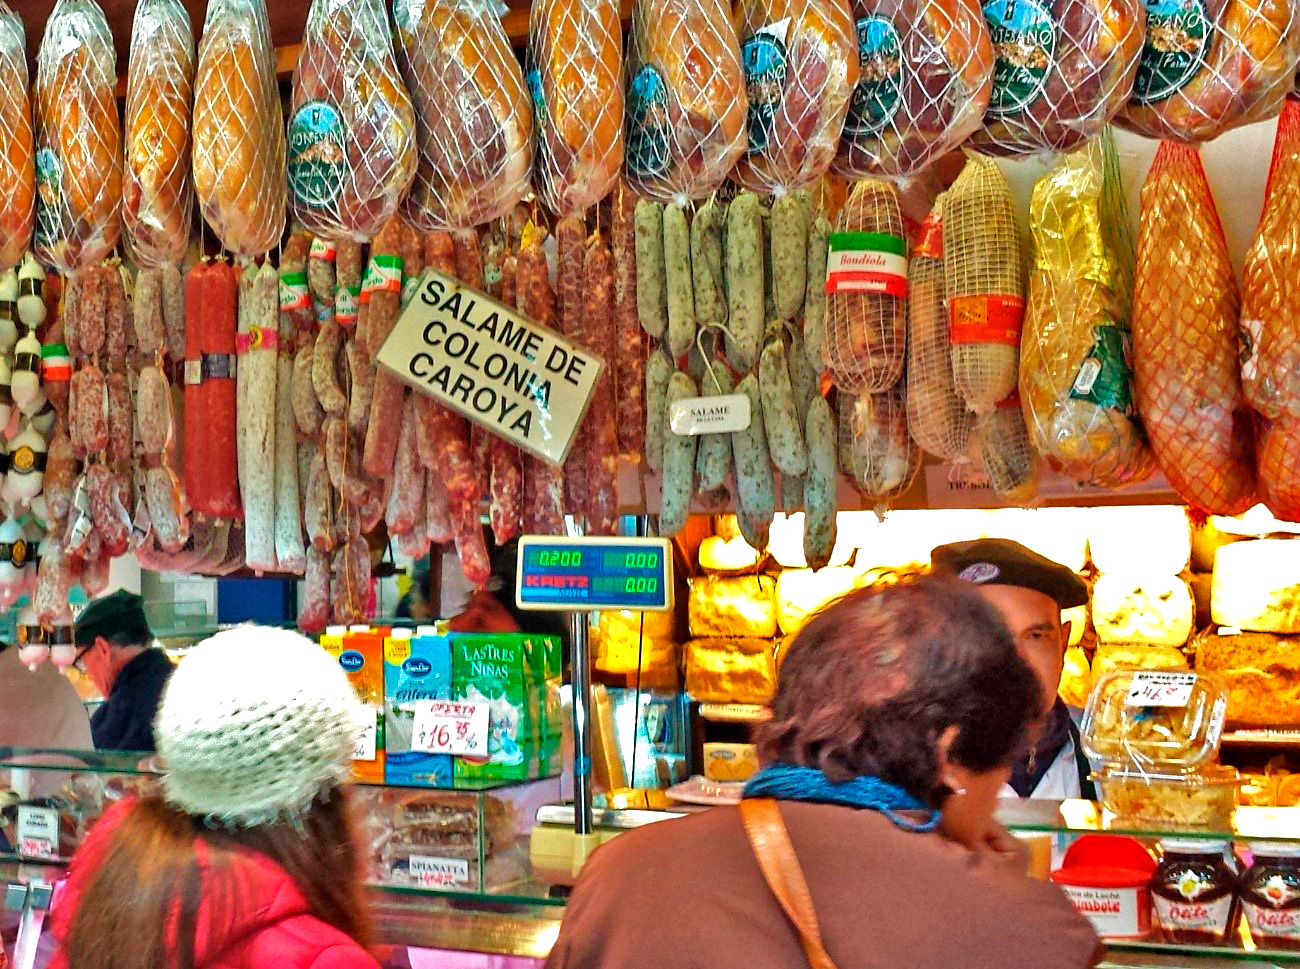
801, 66
686, 100
17, 157
926, 75
473, 120
1186, 349
1064, 69
876, 453
351, 141
1211, 65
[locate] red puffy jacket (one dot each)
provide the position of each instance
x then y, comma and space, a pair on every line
270, 927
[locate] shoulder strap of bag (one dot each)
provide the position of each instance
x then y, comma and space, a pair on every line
771, 843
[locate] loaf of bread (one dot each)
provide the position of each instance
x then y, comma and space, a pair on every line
1256, 586
1262, 674
731, 670
1152, 610
1113, 657
801, 592
742, 605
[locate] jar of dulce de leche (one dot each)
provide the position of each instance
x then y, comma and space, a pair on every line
1194, 892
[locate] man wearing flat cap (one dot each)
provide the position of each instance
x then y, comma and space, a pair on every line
1029, 591
115, 648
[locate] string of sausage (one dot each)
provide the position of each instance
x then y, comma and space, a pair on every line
543, 484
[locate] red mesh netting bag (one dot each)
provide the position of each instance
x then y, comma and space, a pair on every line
1185, 344
1278, 464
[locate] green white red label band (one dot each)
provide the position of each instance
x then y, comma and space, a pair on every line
56, 363
293, 292
866, 262
347, 301
384, 274
322, 250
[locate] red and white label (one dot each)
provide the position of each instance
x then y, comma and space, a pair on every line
439, 872
451, 727
1193, 916
38, 831
1277, 923
986, 319
1114, 912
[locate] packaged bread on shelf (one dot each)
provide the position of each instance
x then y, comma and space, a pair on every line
801, 592
731, 670
1114, 657
1142, 539
1261, 672
742, 605
1256, 586
1148, 610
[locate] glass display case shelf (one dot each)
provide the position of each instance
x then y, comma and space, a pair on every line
1084, 817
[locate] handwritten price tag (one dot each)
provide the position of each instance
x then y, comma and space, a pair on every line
38, 832
448, 727
439, 872
1154, 689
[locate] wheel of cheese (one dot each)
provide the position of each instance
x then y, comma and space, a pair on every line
1256, 586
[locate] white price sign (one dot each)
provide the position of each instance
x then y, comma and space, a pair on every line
369, 739
451, 727
38, 832
439, 872
1154, 689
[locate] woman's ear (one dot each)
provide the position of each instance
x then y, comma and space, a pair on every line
943, 753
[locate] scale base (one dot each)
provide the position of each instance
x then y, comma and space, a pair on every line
558, 853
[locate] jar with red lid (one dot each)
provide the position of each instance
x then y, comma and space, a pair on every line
1194, 892
1270, 895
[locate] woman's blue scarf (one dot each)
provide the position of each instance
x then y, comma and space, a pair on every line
784, 782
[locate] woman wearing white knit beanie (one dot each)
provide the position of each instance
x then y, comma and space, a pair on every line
248, 856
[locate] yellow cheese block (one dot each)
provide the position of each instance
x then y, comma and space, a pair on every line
1140, 539
743, 605
722, 556
1076, 678
730, 762
621, 638
801, 592
1256, 586
1261, 672
731, 670
1153, 610
1112, 657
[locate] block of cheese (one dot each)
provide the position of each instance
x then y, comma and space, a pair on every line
1256, 586
785, 543
1113, 657
730, 762
1140, 539
728, 556
1150, 610
621, 637
1078, 621
731, 670
1261, 672
1076, 678
743, 605
1060, 534
801, 592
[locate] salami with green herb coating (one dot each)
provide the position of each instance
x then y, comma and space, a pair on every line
706, 264
679, 463
677, 277
744, 280
658, 371
783, 428
651, 297
755, 487
814, 304
713, 458
820, 485
789, 256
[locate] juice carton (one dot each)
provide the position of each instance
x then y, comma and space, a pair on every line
361, 654
508, 673
416, 668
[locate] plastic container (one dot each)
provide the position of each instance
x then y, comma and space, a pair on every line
1200, 799
1108, 880
1171, 722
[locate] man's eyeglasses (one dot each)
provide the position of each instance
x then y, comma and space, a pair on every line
79, 664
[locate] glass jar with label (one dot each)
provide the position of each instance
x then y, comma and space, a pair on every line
1194, 892
1270, 895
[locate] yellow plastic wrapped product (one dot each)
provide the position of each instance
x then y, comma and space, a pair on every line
576, 82
686, 101
984, 285
1009, 459
1212, 65
801, 65
351, 138
866, 283
157, 198
926, 75
1076, 377
78, 139
876, 453
731, 670
18, 156
239, 152
473, 122
937, 417
1064, 69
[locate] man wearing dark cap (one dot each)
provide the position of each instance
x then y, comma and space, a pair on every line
115, 649
1030, 591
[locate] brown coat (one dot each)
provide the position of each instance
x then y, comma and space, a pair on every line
688, 894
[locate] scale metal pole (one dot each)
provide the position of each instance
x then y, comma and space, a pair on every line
580, 657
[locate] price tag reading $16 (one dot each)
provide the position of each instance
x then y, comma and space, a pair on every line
451, 727
1155, 689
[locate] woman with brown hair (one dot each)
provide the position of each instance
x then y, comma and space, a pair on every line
247, 858
867, 840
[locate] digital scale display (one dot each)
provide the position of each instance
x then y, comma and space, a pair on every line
578, 574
